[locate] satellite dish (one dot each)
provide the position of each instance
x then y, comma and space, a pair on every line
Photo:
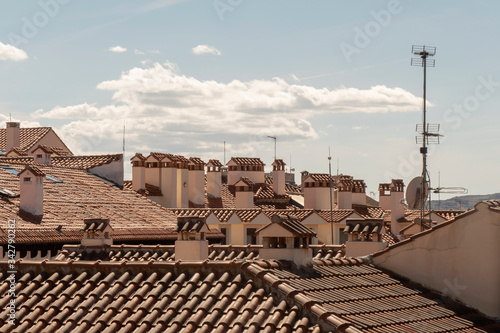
414, 193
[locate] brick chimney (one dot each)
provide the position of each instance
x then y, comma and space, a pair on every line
214, 178
196, 181
138, 172
31, 187
359, 192
345, 186
397, 208
316, 188
12, 138
244, 193
279, 177
42, 155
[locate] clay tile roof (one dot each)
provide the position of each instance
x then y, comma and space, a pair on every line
190, 224
186, 212
214, 163
95, 224
278, 162
85, 161
246, 161
158, 156
223, 215
28, 137
321, 177
359, 183
247, 215
18, 151
290, 223
177, 158
196, 160
139, 156
384, 186
34, 170
335, 215
245, 180
300, 214
266, 192
493, 204
448, 214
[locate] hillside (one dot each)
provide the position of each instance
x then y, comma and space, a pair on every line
468, 201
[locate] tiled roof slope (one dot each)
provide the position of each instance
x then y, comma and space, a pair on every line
247, 161
149, 191
80, 195
83, 162
28, 137
289, 188
145, 297
353, 296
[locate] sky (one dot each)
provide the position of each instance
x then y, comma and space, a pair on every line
184, 77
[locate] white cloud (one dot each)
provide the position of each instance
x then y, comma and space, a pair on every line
118, 49
166, 110
9, 52
205, 49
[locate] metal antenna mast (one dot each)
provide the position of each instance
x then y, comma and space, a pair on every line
331, 194
274, 138
428, 133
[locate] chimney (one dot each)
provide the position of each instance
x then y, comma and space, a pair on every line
12, 138
42, 155
168, 185
191, 244
397, 209
344, 191
279, 177
138, 172
31, 187
182, 181
384, 196
316, 187
96, 233
214, 178
249, 167
244, 193
152, 169
196, 181
359, 192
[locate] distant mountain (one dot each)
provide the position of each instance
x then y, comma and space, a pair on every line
467, 201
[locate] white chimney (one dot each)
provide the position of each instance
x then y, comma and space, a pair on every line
344, 191
384, 196
182, 182
12, 138
97, 233
42, 155
196, 181
31, 187
138, 172
152, 169
244, 193
397, 208
250, 167
214, 178
317, 191
359, 192
168, 184
191, 244
279, 177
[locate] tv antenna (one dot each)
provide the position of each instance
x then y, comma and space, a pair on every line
274, 138
331, 188
429, 133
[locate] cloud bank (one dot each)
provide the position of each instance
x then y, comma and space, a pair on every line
12, 53
168, 111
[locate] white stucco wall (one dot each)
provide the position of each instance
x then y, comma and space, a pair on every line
182, 188
255, 176
459, 259
214, 181
112, 171
196, 186
168, 187
317, 197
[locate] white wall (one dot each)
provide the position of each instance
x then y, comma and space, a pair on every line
168, 187
214, 183
196, 186
112, 171
459, 259
182, 188
317, 198
255, 176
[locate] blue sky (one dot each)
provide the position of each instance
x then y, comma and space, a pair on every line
192, 74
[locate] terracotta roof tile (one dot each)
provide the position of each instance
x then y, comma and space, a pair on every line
28, 137
196, 160
17, 151
214, 163
246, 161
74, 162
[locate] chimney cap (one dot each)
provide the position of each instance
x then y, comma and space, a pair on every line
245, 161
214, 163
138, 156
34, 170
96, 224
278, 162
13, 124
196, 161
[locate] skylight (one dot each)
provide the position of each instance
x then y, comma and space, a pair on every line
9, 169
55, 180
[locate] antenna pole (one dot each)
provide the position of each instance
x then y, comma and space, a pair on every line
423, 61
331, 194
123, 138
274, 138
224, 152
